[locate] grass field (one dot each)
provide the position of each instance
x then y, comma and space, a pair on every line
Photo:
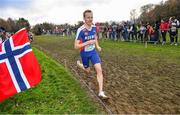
137, 79
58, 93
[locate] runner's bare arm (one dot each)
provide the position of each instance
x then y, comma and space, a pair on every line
97, 44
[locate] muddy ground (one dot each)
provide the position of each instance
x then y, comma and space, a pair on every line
135, 84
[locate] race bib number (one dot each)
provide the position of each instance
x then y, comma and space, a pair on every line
89, 47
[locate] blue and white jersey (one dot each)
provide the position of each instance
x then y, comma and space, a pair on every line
84, 34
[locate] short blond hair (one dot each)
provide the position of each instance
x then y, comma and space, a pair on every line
86, 11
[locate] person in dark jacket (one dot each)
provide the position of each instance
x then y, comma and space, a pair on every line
2, 34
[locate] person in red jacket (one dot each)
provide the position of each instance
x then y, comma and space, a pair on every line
164, 29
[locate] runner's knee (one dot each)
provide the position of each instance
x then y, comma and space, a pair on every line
98, 68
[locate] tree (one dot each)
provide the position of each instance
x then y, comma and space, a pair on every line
47, 26
163, 10
3, 23
147, 8
144, 12
79, 24
37, 29
11, 25
133, 15
22, 23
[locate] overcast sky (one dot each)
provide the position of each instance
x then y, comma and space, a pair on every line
69, 11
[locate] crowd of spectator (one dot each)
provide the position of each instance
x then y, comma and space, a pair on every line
143, 32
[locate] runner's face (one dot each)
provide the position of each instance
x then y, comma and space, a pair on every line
88, 18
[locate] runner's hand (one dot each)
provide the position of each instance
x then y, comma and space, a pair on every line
99, 48
90, 42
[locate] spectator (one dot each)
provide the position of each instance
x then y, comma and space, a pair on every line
173, 31
98, 29
130, 31
110, 30
114, 36
177, 22
142, 32
104, 33
134, 32
178, 26
150, 32
163, 29
2, 35
138, 32
125, 32
118, 31
156, 28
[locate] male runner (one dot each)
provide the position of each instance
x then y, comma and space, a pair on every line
86, 41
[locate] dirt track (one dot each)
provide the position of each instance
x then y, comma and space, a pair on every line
135, 84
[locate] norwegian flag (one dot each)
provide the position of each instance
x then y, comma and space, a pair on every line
19, 69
